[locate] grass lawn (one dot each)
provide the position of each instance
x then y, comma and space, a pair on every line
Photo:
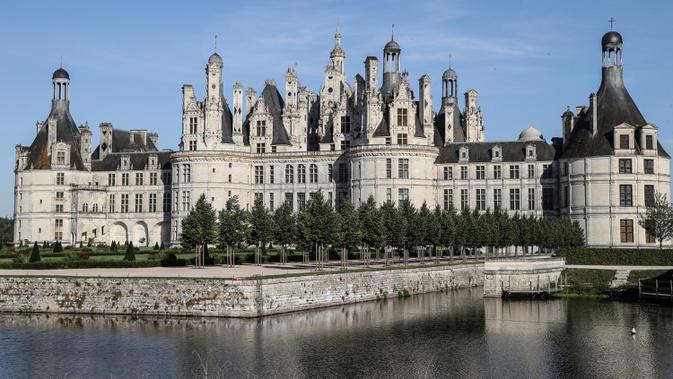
645, 274
586, 283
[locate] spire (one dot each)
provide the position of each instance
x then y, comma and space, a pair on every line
337, 37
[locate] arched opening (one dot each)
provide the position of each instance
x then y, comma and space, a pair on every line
140, 236
119, 232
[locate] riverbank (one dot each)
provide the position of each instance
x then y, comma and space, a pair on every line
210, 296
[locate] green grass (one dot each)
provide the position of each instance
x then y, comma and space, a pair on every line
586, 283
644, 274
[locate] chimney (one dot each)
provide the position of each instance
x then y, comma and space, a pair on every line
594, 113
51, 132
154, 138
250, 100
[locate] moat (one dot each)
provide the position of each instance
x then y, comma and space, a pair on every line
456, 333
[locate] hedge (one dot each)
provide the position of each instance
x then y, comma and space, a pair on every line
46, 265
636, 257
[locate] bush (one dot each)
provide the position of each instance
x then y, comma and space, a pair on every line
130, 253
51, 265
35, 254
58, 247
171, 260
638, 257
156, 246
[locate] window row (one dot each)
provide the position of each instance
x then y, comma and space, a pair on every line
496, 172
139, 178
139, 203
480, 202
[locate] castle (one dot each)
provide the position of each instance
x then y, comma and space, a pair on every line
348, 140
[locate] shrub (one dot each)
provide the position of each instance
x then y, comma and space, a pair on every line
20, 258
84, 255
641, 257
171, 260
51, 265
130, 253
162, 247
35, 253
113, 246
58, 247
156, 246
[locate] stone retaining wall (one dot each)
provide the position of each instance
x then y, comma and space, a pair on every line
224, 298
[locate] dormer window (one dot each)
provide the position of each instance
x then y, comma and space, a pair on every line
464, 154
261, 128
624, 141
496, 154
531, 152
649, 142
60, 158
402, 117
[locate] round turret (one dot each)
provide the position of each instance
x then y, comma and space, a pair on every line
61, 74
215, 58
612, 40
449, 74
392, 47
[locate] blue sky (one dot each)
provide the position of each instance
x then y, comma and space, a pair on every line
128, 60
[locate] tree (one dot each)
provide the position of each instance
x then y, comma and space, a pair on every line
658, 219
260, 227
317, 225
199, 228
349, 232
434, 235
130, 253
58, 247
413, 228
394, 228
6, 230
35, 253
284, 229
371, 226
233, 227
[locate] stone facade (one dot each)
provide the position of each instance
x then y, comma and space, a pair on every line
225, 298
520, 275
350, 140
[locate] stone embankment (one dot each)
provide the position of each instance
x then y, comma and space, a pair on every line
225, 298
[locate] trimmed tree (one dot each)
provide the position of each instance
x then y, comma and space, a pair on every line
394, 229
371, 227
658, 219
260, 228
349, 231
284, 229
130, 253
198, 227
34, 253
233, 227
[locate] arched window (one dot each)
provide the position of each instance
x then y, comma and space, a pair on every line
289, 174
95, 208
313, 173
85, 207
301, 174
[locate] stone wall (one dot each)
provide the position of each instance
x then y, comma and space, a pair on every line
519, 275
224, 298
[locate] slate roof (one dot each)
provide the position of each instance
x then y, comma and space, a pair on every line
121, 143
382, 129
227, 124
458, 133
615, 106
274, 103
138, 160
66, 131
512, 151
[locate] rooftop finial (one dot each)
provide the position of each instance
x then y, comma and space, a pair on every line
612, 21
61, 61
215, 42
450, 60
392, 33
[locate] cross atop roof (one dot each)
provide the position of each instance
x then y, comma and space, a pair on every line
612, 21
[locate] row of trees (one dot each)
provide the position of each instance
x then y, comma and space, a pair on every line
388, 229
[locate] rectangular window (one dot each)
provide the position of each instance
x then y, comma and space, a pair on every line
165, 178
259, 197
403, 168
153, 202
625, 166
139, 178
388, 141
167, 202
566, 197
649, 142
125, 179
192, 125
497, 198
272, 174
624, 141
403, 194
514, 171
271, 205
514, 199
301, 174
626, 231
480, 172
111, 179
289, 199
330, 198
125, 203
60, 178
402, 117
186, 201
649, 195
345, 145
261, 148
548, 199
153, 178
59, 195
60, 157
497, 172
330, 176
531, 199
261, 128
448, 198
464, 199
481, 199
531, 170
463, 172
448, 173
389, 195
301, 200
186, 173
111, 203
289, 174
259, 174
139, 202
192, 145
649, 238
546, 171
625, 195
313, 173
345, 124
389, 168
648, 165
59, 208
402, 138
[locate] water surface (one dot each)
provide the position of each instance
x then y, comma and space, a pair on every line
452, 334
